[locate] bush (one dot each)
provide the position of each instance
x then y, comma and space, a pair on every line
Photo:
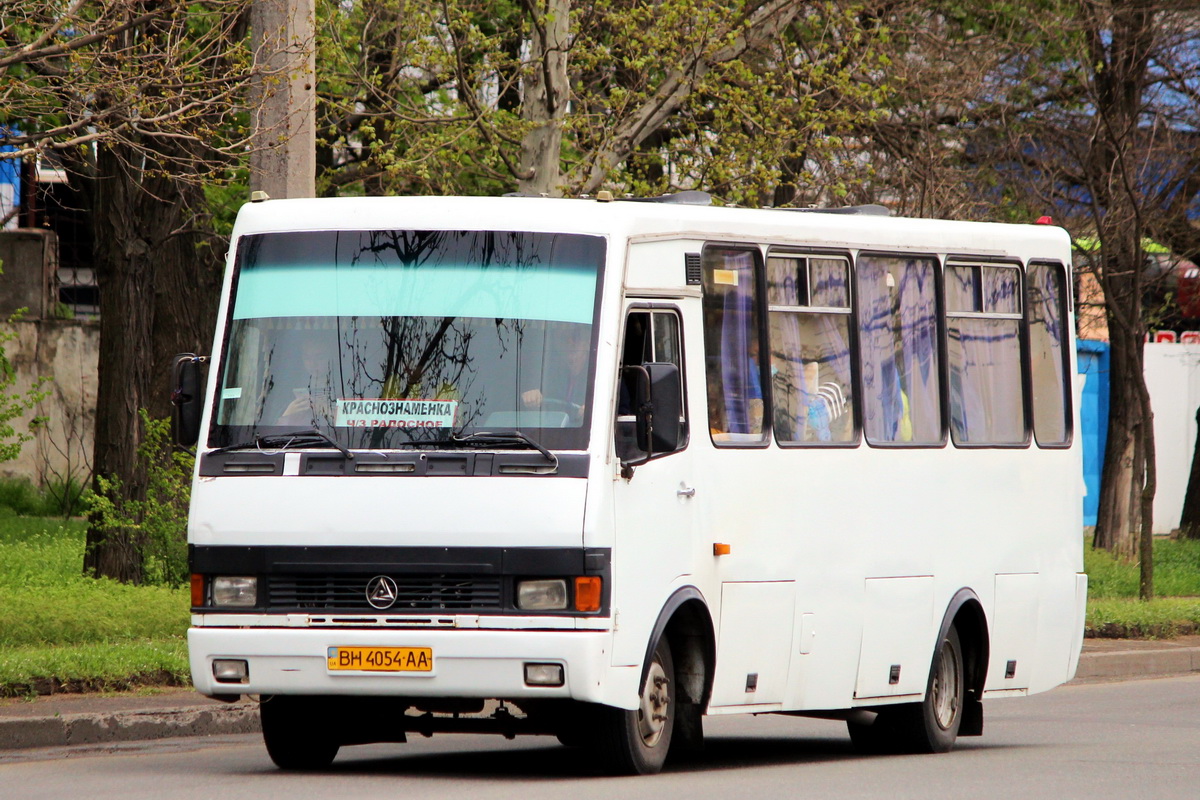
59, 498
156, 524
22, 497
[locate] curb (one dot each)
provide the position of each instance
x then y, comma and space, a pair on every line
1135, 664
127, 726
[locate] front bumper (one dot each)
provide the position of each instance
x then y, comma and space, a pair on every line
466, 663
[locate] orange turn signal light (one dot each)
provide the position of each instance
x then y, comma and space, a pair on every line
197, 589
587, 592
720, 549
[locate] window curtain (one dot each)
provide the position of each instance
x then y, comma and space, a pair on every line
1046, 335
740, 379
898, 307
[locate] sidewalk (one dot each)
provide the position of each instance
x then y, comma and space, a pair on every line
84, 719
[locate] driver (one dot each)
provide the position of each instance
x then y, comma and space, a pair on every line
313, 400
565, 379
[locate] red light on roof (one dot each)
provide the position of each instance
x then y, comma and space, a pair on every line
1045, 221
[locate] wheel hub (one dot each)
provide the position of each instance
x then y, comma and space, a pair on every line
946, 688
655, 705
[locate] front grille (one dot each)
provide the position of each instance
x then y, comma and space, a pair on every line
414, 593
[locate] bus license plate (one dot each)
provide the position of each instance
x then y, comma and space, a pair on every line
381, 659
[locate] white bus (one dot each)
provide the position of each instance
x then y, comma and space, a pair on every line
597, 469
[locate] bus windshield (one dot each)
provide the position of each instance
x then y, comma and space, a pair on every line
382, 339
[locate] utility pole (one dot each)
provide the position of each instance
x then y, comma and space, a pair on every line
283, 98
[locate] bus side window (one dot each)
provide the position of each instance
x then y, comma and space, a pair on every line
733, 363
808, 311
983, 331
1047, 333
898, 349
650, 337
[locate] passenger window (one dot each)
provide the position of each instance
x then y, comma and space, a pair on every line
983, 328
1047, 332
733, 364
650, 337
808, 309
898, 349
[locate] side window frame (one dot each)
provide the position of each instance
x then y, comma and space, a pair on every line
651, 310
758, 335
961, 260
936, 263
1065, 305
853, 407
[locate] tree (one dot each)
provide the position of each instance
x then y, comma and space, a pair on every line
1086, 109
1118, 171
488, 96
141, 101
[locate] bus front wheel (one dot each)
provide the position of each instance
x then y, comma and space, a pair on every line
297, 732
636, 742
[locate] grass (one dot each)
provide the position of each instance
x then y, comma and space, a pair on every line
1113, 607
62, 631
1176, 571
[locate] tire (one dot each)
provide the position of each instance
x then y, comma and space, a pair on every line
874, 738
935, 728
637, 742
930, 726
297, 732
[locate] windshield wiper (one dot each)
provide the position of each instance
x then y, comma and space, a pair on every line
507, 437
282, 441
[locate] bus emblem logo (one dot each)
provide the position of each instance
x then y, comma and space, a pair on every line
381, 592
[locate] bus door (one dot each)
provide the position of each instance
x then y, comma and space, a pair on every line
653, 501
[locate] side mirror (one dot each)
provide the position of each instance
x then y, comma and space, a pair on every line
187, 398
666, 401
654, 392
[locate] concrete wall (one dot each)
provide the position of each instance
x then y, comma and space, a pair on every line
67, 351
1173, 378
29, 258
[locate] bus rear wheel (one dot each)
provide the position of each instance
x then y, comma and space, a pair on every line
297, 732
637, 742
930, 726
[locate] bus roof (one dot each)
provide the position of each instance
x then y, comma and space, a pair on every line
649, 220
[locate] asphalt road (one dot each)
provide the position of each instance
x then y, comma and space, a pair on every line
1136, 739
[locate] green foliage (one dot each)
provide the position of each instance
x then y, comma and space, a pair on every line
21, 497
164, 78
158, 523
1176, 571
64, 497
90, 611
35, 551
26, 671
58, 627
225, 197
1130, 618
14, 405
429, 98
1114, 609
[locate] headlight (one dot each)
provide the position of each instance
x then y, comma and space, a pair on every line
545, 595
235, 591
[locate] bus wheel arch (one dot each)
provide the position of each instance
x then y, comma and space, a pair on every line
952, 706
686, 625
965, 614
